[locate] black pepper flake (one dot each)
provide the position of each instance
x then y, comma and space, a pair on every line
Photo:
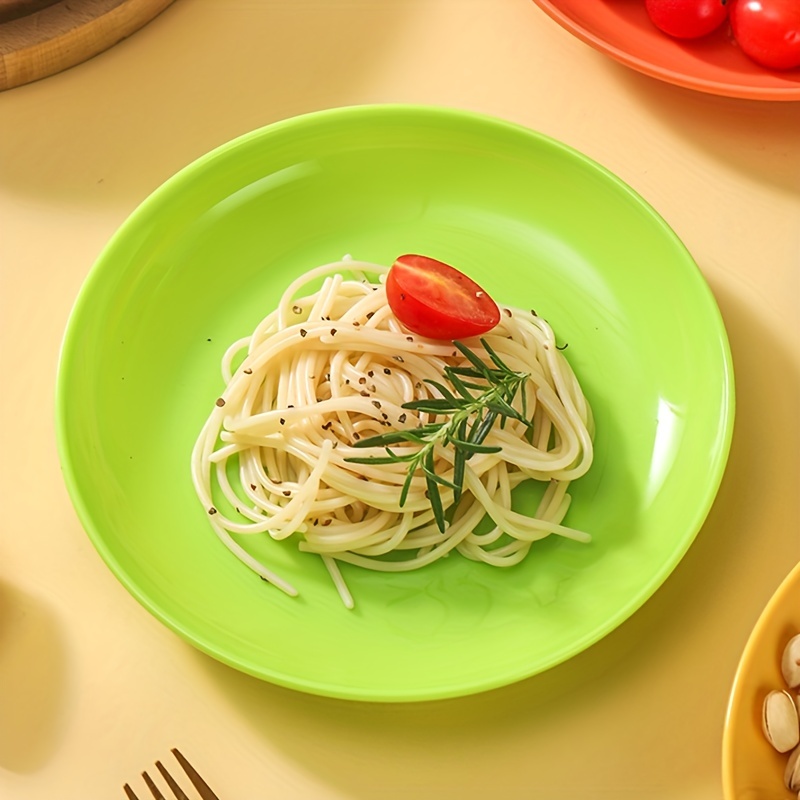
282, 421
247, 371
347, 381
372, 388
427, 493
364, 393
208, 340
563, 347
398, 358
333, 331
212, 510
316, 522
220, 402
507, 312
387, 371
297, 309
362, 380
376, 403
287, 493
384, 415
402, 418
277, 482
303, 332
356, 436
290, 406
371, 374
409, 338
356, 324
327, 426
402, 296
417, 385
370, 314
326, 522
253, 486
533, 311
454, 353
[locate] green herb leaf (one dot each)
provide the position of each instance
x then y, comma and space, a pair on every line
501, 407
459, 464
495, 358
436, 503
434, 405
461, 387
384, 439
482, 427
480, 367
445, 392
470, 447
467, 372
406, 487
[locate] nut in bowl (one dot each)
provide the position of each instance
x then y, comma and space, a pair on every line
760, 752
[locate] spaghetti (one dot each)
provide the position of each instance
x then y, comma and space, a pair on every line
333, 366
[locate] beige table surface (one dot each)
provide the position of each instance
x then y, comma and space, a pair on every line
93, 689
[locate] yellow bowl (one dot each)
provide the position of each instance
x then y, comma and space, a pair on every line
751, 768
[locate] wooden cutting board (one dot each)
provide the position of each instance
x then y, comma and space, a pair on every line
41, 37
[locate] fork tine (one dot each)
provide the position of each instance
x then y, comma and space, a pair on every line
176, 790
203, 789
129, 793
152, 787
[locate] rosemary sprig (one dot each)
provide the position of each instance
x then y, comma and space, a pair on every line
480, 396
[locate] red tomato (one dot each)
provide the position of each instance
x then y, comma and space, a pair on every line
435, 300
687, 19
768, 31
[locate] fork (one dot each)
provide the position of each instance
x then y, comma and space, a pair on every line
203, 789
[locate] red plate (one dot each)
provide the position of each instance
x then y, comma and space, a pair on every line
714, 64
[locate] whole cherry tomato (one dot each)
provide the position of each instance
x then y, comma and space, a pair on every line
768, 31
687, 19
435, 300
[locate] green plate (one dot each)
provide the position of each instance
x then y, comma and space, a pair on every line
203, 259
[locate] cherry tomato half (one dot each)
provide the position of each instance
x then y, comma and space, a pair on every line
687, 19
435, 300
768, 31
